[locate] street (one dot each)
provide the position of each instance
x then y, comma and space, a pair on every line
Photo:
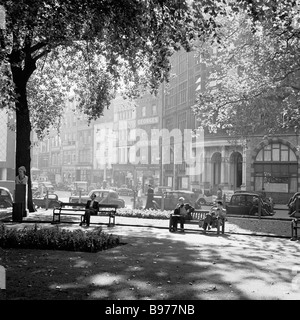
280, 210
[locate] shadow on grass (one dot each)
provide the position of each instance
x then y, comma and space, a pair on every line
159, 265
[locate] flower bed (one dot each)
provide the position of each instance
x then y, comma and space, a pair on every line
57, 239
144, 213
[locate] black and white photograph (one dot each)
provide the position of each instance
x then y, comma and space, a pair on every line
149, 153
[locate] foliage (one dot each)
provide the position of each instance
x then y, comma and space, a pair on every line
56, 239
94, 47
252, 82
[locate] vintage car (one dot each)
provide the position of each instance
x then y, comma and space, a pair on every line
46, 186
205, 197
247, 203
6, 203
159, 190
40, 202
171, 199
103, 196
124, 191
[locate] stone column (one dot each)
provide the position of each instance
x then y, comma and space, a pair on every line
243, 186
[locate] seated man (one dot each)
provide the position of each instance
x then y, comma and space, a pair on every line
181, 212
91, 208
212, 217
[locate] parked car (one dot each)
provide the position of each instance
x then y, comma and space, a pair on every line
103, 196
125, 191
246, 203
159, 190
34, 186
228, 194
46, 186
6, 203
53, 201
80, 186
171, 199
206, 198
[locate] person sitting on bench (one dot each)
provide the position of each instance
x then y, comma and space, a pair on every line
211, 217
181, 212
91, 208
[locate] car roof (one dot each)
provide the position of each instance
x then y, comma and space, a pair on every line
3, 188
182, 191
102, 190
246, 193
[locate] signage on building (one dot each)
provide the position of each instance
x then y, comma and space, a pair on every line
148, 121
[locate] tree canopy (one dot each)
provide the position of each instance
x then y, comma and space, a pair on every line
252, 83
51, 46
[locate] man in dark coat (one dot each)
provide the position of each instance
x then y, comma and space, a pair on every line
91, 208
150, 197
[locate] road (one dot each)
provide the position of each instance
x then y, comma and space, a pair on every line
64, 196
281, 210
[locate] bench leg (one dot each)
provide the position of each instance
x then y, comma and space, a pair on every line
56, 215
294, 230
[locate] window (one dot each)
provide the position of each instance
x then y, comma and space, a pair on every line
154, 110
143, 111
276, 169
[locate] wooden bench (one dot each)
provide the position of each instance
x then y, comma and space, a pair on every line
198, 217
71, 209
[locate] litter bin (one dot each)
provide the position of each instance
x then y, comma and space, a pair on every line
18, 212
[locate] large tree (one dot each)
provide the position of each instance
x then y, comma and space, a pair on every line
51, 46
253, 82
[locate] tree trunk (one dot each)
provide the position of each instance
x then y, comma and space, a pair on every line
23, 129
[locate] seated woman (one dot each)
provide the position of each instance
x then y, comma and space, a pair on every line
211, 218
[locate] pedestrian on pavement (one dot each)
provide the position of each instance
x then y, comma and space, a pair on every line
91, 208
150, 197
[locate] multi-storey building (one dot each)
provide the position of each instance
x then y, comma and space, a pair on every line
124, 125
148, 165
265, 162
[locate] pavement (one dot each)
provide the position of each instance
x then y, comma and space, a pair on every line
244, 263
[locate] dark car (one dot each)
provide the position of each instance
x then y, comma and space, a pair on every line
247, 203
6, 203
52, 201
103, 196
171, 199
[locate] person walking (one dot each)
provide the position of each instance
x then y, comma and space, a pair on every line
150, 197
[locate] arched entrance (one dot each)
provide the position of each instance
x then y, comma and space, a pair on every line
236, 170
216, 169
